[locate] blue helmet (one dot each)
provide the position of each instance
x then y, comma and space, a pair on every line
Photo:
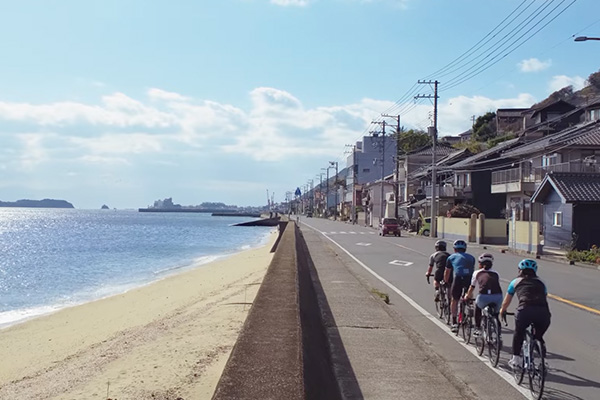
460, 244
528, 264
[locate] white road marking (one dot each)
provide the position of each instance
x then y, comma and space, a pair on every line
401, 263
503, 374
363, 244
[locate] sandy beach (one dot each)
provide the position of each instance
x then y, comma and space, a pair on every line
167, 340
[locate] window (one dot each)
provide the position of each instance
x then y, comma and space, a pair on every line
557, 219
366, 170
550, 159
468, 180
594, 115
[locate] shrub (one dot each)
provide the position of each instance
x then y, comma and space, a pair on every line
463, 211
590, 256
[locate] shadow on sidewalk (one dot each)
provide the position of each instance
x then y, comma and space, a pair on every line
328, 373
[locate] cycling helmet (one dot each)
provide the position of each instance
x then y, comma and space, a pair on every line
528, 264
485, 257
440, 245
460, 244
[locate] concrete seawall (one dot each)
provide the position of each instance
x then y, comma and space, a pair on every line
282, 351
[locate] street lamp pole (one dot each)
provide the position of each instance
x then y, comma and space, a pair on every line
585, 38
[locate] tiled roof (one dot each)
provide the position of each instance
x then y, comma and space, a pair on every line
590, 139
442, 149
470, 161
571, 187
574, 135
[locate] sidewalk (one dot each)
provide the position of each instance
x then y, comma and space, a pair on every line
375, 355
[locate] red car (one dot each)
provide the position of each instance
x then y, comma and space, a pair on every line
389, 226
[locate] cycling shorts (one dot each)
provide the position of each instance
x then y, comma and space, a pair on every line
460, 283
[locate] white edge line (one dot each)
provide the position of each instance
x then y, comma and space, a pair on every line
503, 374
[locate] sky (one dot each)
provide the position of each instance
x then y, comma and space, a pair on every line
124, 102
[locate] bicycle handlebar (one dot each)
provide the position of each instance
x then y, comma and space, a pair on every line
504, 317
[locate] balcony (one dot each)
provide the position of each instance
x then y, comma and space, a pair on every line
573, 166
513, 180
527, 179
442, 191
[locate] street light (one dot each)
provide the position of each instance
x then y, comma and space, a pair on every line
584, 38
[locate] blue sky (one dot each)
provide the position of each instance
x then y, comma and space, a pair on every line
126, 102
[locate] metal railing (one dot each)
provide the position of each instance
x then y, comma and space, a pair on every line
518, 174
572, 166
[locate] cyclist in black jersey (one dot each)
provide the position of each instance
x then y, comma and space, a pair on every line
490, 291
533, 307
438, 260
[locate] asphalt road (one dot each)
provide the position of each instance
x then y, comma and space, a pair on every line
573, 340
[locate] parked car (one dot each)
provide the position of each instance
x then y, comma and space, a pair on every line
389, 226
425, 226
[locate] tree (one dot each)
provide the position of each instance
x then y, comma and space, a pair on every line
484, 127
412, 139
594, 80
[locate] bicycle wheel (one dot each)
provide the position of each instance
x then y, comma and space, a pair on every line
494, 341
467, 326
460, 317
537, 370
519, 372
439, 305
480, 340
447, 313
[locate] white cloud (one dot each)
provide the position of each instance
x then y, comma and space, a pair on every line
159, 94
288, 3
560, 81
534, 65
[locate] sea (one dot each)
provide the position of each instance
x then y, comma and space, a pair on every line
56, 258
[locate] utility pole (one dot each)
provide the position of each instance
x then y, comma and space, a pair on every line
396, 163
332, 163
433, 228
327, 193
383, 124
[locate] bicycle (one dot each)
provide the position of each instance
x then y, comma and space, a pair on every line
534, 362
442, 305
465, 317
491, 334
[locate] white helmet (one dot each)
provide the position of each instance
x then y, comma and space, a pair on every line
486, 257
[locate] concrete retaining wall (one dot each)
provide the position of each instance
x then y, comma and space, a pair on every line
474, 229
524, 236
282, 351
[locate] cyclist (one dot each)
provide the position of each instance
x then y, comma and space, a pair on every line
490, 291
460, 266
533, 307
438, 259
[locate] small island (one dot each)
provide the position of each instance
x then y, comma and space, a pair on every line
45, 203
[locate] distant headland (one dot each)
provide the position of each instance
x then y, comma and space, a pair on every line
45, 203
167, 205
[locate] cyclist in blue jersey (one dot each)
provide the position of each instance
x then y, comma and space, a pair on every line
533, 307
460, 266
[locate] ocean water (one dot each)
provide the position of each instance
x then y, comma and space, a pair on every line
56, 258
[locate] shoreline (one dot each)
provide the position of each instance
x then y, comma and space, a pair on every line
167, 339
24, 315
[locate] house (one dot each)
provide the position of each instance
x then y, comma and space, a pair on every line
509, 120
552, 118
472, 178
525, 166
416, 161
571, 204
